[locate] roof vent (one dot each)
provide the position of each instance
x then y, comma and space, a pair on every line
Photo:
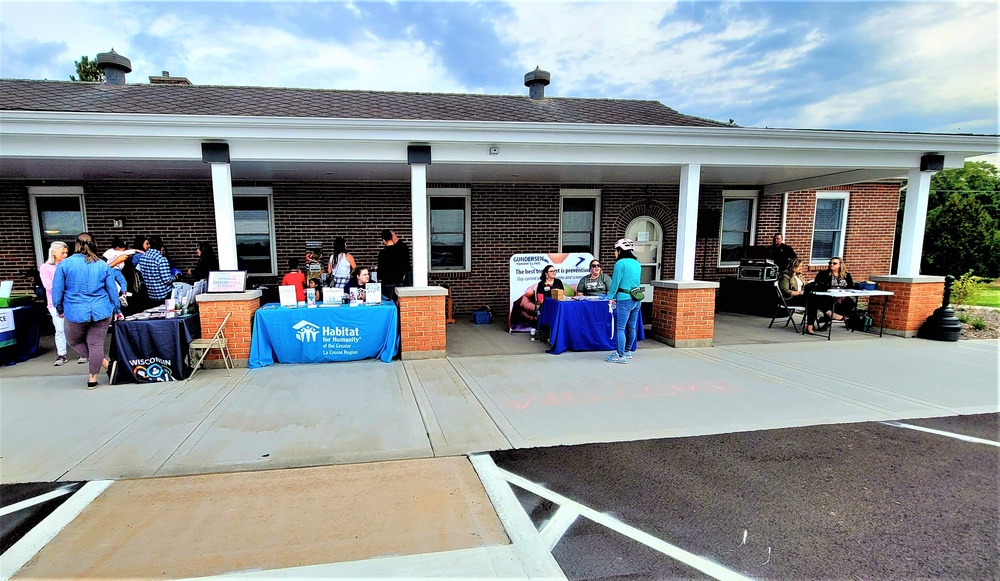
536, 81
114, 67
166, 79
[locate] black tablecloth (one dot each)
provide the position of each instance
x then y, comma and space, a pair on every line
27, 330
151, 350
749, 297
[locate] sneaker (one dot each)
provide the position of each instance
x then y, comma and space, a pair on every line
60, 361
628, 355
616, 358
82, 360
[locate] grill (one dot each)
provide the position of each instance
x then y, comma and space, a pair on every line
756, 269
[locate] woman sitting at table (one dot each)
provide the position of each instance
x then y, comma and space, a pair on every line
315, 283
835, 277
792, 284
595, 283
358, 280
547, 283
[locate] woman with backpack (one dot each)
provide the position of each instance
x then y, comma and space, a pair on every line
626, 277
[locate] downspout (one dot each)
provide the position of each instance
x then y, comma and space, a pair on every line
784, 213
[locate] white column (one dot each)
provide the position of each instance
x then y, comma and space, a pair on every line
687, 222
911, 242
418, 203
225, 222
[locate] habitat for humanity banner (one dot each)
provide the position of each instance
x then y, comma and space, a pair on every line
525, 274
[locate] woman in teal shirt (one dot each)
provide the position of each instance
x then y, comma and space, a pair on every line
626, 277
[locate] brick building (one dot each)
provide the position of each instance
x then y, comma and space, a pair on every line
467, 180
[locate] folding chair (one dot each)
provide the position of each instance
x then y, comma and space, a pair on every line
218, 341
789, 310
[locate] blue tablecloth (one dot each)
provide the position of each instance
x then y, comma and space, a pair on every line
323, 334
581, 326
152, 350
21, 344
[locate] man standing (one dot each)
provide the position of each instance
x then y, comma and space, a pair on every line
393, 263
780, 253
155, 270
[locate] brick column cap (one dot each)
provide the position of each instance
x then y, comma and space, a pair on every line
921, 279
684, 284
421, 291
243, 296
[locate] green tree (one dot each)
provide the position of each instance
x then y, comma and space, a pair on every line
87, 70
963, 222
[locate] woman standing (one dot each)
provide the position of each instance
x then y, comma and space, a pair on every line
206, 261
341, 263
85, 294
57, 252
627, 276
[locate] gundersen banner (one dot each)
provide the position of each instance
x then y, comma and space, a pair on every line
525, 274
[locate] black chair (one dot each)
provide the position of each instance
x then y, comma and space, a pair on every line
784, 309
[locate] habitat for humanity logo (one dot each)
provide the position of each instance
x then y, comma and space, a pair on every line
306, 331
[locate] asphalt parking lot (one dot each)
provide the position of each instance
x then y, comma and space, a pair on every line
846, 501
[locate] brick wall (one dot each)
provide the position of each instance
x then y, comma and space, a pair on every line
422, 326
17, 249
506, 219
238, 328
909, 307
684, 314
871, 227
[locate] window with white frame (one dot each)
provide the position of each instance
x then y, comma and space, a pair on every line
57, 213
738, 223
579, 224
253, 211
450, 226
829, 226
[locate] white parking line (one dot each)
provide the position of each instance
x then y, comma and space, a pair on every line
23, 550
36, 500
702, 564
946, 434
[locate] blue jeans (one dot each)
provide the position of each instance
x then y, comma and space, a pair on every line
626, 318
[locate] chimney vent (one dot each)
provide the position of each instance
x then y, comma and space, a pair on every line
536, 81
166, 79
114, 67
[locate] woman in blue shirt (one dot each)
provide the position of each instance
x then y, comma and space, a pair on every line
85, 294
626, 277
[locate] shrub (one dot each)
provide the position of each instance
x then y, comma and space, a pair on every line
974, 321
964, 290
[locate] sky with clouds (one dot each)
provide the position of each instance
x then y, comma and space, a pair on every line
880, 66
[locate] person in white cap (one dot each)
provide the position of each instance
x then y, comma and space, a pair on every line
626, 277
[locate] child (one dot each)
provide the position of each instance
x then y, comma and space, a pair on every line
296, 279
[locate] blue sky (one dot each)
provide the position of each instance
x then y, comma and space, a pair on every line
880, 66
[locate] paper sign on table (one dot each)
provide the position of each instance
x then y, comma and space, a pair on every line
286, 295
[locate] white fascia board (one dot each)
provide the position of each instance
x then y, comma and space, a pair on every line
791, 143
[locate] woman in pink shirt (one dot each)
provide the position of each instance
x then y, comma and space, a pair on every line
57, 252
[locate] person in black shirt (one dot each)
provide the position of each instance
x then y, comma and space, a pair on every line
393, 263
780, 253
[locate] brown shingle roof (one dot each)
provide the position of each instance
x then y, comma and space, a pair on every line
66, 96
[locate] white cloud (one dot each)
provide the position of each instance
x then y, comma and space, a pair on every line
928, 59
632, 50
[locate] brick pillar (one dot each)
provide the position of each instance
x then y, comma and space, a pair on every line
213, 308
422, 321
684, 312
914, 299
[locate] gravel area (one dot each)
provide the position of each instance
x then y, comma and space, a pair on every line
990, 316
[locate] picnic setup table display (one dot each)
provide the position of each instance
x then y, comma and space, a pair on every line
151, 347
323, 334
20, 330
834, 294
583, 324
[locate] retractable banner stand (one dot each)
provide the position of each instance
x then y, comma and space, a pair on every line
526, 272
